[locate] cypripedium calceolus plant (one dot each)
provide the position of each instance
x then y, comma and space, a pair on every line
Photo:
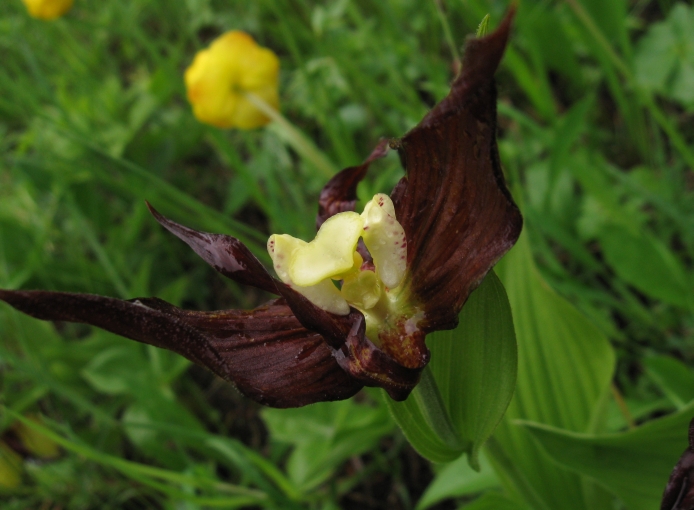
355, 304
47, 9
222, 75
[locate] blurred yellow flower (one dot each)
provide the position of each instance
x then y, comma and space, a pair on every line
47, 9
220, 77
34, 441
10, 467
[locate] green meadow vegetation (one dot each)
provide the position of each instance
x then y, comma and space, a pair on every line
596, 135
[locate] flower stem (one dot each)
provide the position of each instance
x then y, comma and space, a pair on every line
426, 395
294, 137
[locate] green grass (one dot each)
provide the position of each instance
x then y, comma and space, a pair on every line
596, 139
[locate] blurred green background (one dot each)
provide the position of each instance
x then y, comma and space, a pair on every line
596, 102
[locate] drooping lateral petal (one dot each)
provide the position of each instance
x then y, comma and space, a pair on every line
679, 491
226, 254
270, 356
125, 318
265, 352
453, 204
340, 193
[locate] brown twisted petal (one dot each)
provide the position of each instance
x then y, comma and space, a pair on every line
458, 217
679, 492
366, 362
340, 193
354, 352
265, 352
225, 254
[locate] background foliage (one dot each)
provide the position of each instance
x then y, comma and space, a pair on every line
595, 111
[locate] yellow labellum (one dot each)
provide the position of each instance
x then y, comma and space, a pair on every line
330, 253
323, 294
310, 268
47, 9
220, 77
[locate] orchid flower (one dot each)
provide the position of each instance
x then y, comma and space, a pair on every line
354, 305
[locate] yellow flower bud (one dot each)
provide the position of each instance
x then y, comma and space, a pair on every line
47, 9
220, 77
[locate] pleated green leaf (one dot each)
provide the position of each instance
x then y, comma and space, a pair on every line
673, 377
633, 465
565, 365
646, 263
494, 501
458, 479
470, 380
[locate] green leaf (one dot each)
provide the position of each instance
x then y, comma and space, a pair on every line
565, 365
426, 422
494, 501
634, 465
673, 377
105, 371
664, 60
458, 479
142, 424
567, 131
150, 475
646, 263
324, 435
474, 369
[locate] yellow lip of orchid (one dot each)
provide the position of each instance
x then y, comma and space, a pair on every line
47, 9
323, 294
310, 268
220, 77
330, 253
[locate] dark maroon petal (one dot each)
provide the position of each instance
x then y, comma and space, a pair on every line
679, 492
340, 193
125, 318
266, 352
270, 356
355, 353
333, 328
366, 362
453, 204
226, 254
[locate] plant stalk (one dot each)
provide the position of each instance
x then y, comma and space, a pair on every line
426, 395
294, 137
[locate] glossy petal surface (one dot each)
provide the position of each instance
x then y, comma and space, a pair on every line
266, 352
453, 204
226, 254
